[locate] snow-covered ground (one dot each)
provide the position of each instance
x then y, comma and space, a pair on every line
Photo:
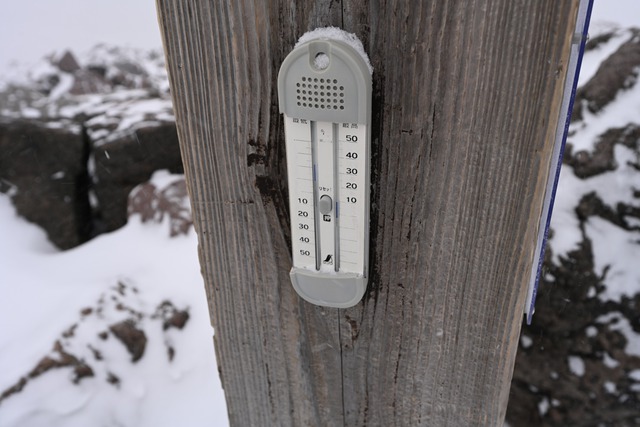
616, 251
123, 275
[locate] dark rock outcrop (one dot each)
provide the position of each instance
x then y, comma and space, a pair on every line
601, 159
133, 338
44, 170
76, 139
595, 42
68, 63
616, 73
125, 162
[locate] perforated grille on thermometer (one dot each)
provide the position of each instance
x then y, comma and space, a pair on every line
327, 122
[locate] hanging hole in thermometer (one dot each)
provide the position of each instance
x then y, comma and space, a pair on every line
324, 88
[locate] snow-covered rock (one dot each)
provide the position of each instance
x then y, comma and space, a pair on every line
114, 107
164, 198
121, 163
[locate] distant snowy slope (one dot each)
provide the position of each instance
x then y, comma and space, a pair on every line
65, 84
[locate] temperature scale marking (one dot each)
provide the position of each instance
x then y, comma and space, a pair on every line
333, 239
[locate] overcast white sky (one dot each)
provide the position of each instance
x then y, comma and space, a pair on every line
626, 13
30, 29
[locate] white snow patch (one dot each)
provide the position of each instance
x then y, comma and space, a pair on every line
565, 224
635, 375
525, 341
98, 134
617, 322
334, 33
130, 112
576, 365
91, 167
40, 71
612, 187
93, 199
610, 387
609, 361
30, 113
164, 178
615, 13
321, 61
632, 221
615, 250
65, 84
63, 125
543, 406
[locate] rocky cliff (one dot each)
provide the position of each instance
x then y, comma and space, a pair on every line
78, 134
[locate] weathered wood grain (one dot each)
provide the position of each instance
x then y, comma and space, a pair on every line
467, 109
279, 357
466, 96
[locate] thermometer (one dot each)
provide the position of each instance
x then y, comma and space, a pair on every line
324, 90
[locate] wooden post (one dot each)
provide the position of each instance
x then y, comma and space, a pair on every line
466, 99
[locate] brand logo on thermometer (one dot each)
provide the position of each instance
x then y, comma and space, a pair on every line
327, 122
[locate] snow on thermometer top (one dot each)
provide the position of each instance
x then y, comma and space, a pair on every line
324, 90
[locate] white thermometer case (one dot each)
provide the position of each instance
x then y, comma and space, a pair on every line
324, 91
